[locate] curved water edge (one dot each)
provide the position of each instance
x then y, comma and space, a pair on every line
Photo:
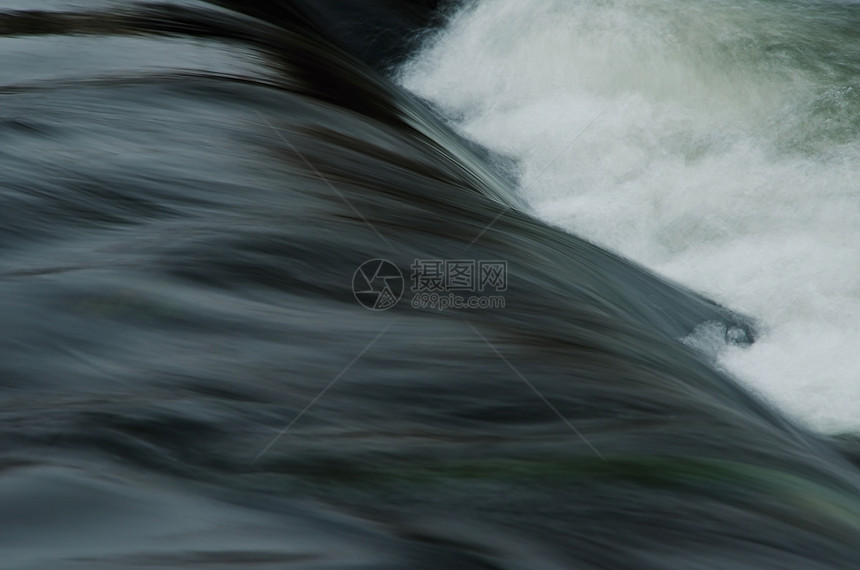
717, 143
179, 236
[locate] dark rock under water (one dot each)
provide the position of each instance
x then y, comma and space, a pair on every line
186, 191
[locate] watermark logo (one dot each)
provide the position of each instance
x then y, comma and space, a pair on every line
435, 283
377, 284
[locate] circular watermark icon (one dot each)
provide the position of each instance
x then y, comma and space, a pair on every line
377, 284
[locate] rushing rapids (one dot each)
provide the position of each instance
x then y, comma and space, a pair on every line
188, 381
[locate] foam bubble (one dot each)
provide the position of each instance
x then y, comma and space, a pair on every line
712, 142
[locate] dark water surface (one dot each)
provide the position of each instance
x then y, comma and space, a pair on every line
186, 191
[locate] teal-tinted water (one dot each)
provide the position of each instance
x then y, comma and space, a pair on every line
189, 380
717, 143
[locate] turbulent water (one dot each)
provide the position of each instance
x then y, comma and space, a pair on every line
717, 142
189, 194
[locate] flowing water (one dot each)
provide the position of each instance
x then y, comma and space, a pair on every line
716, 142
189, 194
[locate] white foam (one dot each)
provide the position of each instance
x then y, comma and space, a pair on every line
705, 163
